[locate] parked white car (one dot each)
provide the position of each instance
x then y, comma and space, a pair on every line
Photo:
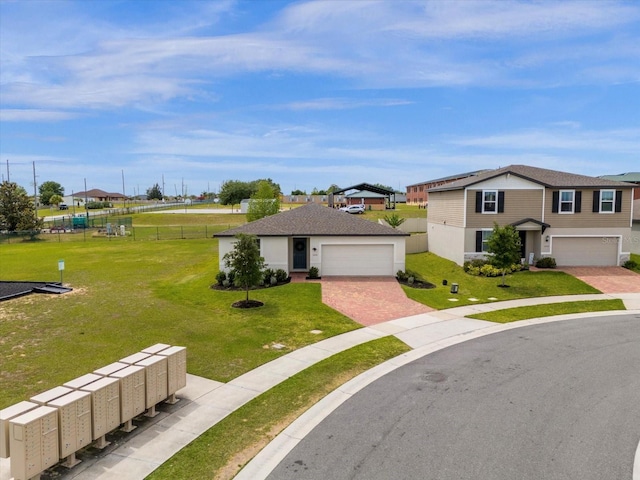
353, 209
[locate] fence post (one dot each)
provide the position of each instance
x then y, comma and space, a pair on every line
181, 233
157, 233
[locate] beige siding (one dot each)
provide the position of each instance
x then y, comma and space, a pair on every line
446, 208
586, 218
518, 205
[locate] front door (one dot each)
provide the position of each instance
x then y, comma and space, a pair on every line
523, 243
299, 253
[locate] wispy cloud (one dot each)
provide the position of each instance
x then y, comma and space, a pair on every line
97, 64
21, 115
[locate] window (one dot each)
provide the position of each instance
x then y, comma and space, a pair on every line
482, 237
607, 201
485, 238
489, 201
566, 201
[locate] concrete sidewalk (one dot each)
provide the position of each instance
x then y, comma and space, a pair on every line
205, 402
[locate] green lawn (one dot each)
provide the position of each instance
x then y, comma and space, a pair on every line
237, 438
134, 294
521, 285
522, 313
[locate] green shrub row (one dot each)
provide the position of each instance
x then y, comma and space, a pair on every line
483, 268
269, 277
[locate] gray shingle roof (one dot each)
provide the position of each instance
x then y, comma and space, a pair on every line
450, 177
313, 220
543, 176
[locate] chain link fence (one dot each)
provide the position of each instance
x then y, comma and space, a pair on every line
106, 231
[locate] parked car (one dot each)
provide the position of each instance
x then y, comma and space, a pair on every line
353, 209
63, 206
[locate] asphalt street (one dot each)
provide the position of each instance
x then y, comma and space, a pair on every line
547, 402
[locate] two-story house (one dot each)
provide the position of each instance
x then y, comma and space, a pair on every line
577, 219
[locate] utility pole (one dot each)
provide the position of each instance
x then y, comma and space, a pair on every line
8, 178
86, 200
123, 192
35, 193
163, 185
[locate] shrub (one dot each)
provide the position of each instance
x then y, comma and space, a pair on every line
546, 262
314, 272
281, 275
221, 276
630, 264
488, 270
231, 277
471, 270
402, 276
267, 274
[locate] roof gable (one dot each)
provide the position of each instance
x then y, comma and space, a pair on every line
542, 176
312, 220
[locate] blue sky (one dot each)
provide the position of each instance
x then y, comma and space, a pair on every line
313, 93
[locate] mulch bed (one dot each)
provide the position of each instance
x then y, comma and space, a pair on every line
233, 288
416, 284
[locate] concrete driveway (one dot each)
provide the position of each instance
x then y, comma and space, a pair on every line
607, 279
369, 300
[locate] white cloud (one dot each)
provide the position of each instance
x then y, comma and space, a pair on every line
613, 141
35, 115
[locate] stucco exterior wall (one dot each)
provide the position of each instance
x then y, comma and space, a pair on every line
635, 237
446, 241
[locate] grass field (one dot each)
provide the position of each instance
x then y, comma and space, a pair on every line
131, 295
521, 285
509, 315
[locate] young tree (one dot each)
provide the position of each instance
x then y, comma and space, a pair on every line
394, 220
154, 193
246, 262
48, 189
504, 247
17, 211
263, 203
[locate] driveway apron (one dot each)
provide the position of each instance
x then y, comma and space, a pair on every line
369, 300
607, 279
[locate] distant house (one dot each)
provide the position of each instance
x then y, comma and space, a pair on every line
370, 200
97, 195
317, 236
630, 177
362, 193
417, 194
576, 219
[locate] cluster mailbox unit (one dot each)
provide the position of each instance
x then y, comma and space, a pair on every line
55, 424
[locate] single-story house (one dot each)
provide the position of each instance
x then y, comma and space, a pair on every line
370, 200
313, 235
94, 195
576, 219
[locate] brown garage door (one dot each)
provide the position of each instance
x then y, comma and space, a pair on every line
585, 251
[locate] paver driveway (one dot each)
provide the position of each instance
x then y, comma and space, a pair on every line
607, 279
369, 300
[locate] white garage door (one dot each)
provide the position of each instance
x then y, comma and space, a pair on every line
586, 251
357, 260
